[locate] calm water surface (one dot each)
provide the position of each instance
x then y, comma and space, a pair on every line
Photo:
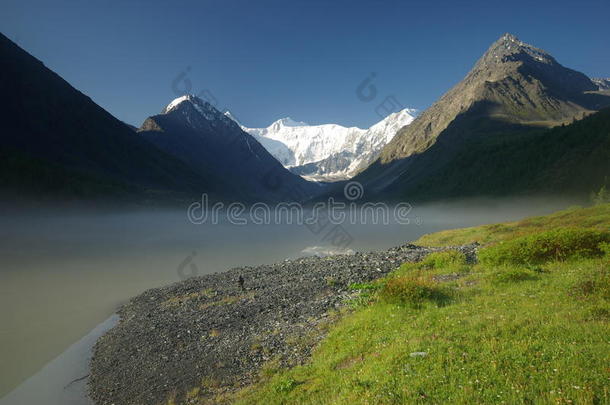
64, 273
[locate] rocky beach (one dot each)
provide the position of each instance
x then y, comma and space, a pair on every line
213, 334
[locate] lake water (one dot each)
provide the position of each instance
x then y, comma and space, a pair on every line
63, 273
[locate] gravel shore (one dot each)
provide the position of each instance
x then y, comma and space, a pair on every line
213, 333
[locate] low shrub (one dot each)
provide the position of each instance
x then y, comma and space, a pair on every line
557, 244
364, 286
445, 259
605, 247
367, 292
414, 290
602, 196
284, 384
598, 285
512, 275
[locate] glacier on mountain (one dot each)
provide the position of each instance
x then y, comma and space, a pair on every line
327, 152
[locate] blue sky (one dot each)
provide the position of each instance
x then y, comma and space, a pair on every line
264, 60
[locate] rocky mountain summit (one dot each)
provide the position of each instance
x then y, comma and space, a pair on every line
513, 82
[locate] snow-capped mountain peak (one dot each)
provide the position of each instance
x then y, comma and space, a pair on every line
186, 98
390, 125
204, 108
328, 151
288, 122
197, 112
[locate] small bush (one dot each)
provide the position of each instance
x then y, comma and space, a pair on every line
594, 284
512, 275
367, 291
558, 244
599, 287
414, 290
602, 196
364, 286
284, 385
446, 259
605, 247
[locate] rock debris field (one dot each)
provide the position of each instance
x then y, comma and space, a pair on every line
215, 333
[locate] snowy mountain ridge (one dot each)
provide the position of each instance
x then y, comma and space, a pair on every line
327, 152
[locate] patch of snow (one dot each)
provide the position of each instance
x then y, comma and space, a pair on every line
230, 116
177, 101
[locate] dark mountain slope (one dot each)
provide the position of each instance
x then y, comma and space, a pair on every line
47, 121
565, 160
215, 146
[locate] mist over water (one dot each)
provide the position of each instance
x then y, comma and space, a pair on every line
64, 271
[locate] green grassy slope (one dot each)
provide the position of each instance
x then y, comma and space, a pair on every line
528, 324
597, 217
